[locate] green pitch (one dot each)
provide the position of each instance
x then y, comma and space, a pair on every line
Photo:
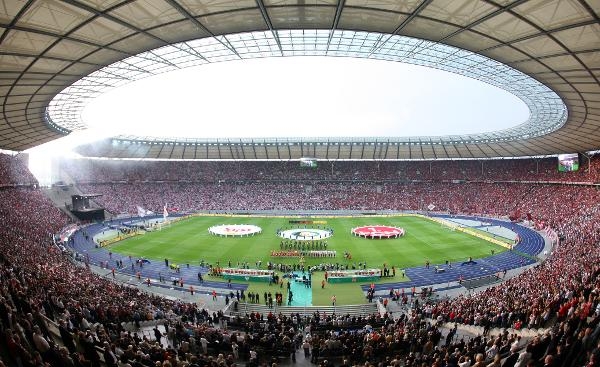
188, 241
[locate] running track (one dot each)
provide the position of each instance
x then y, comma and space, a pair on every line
532, 243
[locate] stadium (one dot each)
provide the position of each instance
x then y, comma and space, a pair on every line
394, 183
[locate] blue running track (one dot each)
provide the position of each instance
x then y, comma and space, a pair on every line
531, 243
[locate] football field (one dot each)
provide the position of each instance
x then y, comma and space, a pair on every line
189, 242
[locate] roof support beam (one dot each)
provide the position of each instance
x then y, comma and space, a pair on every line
267, 19
254, 149
590, 10
483, 19
336, 20
545, 32
197, 23
113, 19
412, 15
433, 148
15, 20
242, 149
19, 54
62, 36
77, 27
387, 147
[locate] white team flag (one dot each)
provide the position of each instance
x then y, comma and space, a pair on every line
165, 212
143, 212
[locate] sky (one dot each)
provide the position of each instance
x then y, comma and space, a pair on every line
305, 97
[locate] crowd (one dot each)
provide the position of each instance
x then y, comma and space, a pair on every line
13, 170
38, 280
538, 169
410, 340
567, 283
497, 199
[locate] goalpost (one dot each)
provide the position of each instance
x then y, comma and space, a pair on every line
165, 223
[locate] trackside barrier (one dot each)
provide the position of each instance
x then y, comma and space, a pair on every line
120, 237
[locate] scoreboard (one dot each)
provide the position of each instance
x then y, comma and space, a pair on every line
308, 162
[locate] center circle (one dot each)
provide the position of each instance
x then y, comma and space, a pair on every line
305, 234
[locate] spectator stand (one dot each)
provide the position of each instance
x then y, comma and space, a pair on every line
561, 291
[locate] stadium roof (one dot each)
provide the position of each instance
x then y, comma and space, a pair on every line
545, 110
47, 45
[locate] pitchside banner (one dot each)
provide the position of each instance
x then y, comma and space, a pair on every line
483, 237
296, 221
119, 238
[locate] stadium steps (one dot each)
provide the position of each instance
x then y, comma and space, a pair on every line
60, 197
356, 310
